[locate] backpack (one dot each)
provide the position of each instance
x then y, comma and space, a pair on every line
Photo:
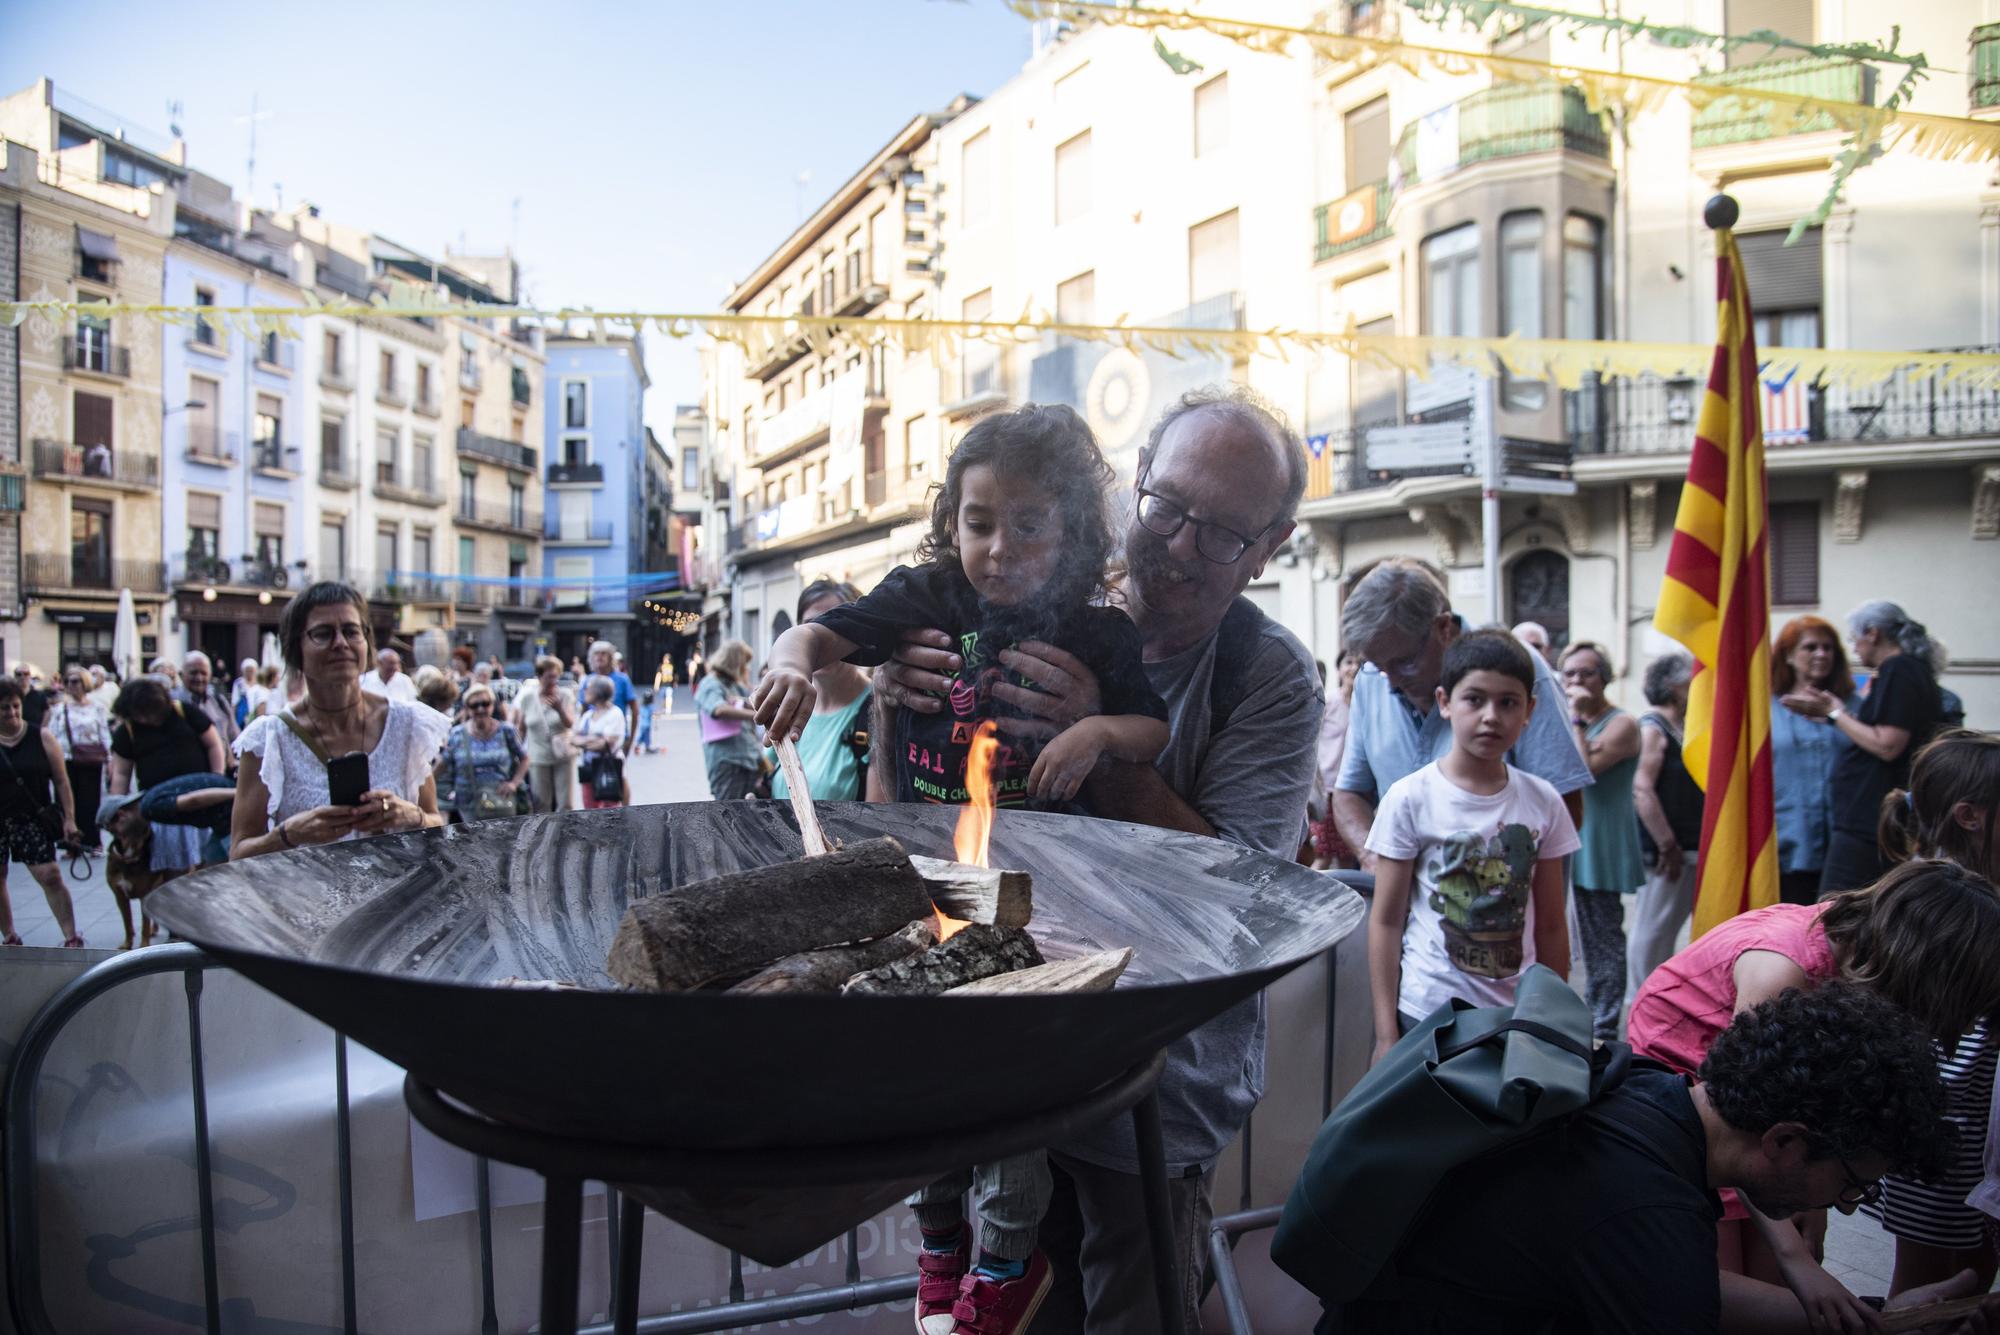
1467, 1082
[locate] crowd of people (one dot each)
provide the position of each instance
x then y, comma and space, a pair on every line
1505, 801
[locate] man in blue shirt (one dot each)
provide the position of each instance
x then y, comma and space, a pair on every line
1400, 620
623, 698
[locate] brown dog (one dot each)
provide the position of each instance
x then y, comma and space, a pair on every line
127, 869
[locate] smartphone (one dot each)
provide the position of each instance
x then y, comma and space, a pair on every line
347, 778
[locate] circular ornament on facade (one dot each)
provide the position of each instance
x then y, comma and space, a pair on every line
1115, 401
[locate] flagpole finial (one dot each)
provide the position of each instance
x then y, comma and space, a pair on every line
1720, 213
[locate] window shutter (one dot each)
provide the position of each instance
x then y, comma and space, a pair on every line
1795, 553
1787, 18
92, 413
269, 520
1367, 130
1213, 266
204, 510
1781, 277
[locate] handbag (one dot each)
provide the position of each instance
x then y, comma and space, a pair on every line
84, 753
45, 814
607, 777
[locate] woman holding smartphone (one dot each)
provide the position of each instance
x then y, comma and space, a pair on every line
283, 797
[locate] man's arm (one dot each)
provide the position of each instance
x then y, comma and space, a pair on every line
1646, 799
1138, 794
1354, 816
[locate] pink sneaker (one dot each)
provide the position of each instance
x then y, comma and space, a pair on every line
987, 1308
938, 1277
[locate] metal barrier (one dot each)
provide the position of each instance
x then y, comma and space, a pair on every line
18, 1123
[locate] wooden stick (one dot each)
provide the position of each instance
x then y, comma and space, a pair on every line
1089, 973
802, 802
1928, 1314
978, 894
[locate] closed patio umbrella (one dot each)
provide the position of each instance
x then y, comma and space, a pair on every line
125, 638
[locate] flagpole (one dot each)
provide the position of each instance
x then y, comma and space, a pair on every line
1720, 213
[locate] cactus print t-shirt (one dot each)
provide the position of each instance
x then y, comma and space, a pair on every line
1471, 929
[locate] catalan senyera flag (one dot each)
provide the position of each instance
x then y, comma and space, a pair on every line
1716, 600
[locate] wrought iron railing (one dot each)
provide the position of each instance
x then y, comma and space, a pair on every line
52, 574
1326, 222
1730, 120
1983, 79
562, 473
1508, 120
559, 529
489, 514
507, 453
97, 355
210, 444
96, 463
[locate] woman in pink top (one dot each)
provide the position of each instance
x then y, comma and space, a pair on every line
1921, 936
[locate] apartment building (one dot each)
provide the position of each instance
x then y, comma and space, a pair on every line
13, 477
1463, 206
827, 450
595, 534
93, 203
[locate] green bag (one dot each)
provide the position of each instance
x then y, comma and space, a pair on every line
1466, 1082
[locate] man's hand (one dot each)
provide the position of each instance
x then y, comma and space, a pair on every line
915, 678
1065, 763
1672, 859
783, 702
1828, 1303
1064, 690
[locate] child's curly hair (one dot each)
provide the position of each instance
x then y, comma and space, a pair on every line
1053, 445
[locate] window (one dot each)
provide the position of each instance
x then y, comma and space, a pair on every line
1214, 269
270, 432
753, 631
1795, 553
914, 462
86, 644
1583, 277
268, 352
330, 352
1786, 285
422, 450
1366, 131
93, 343
128, 170
420, 552
1211, 116
204, 332
90, 543
268, 520
517, 505
332, 455
385, 458
203, 436
576, 451
1787, 18
467, 549
576, 403
97, 253
385, 551
423, 382
1072, 178
1521, 301
980, 361
387, 371
91, 422
332, 548
1451, 282
690, 468
467, 489
204, 522
573, 509
467, 410
1372, 391
1076, 299
573, 570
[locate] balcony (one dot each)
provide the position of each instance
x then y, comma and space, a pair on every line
784, 351
1359, 219
1647, 415
65, 574
1507, 121
211, 445
392, 393
97, 356
418, 491
274, 458
335, 375
576, 475
337, 474
521, 332
203, 569
277, 357
523, 388
1729, 120
796, 428
859, 292
499, 516
562, 532
62, 461
506, 453
427, 402
1984, 77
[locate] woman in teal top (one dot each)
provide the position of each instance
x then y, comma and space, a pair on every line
1610, 864
833, 747
729, 747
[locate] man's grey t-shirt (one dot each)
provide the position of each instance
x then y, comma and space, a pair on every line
1250, 781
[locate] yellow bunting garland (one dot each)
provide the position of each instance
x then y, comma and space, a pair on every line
1566, 362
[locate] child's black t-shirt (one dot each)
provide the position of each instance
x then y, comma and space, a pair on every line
930, 750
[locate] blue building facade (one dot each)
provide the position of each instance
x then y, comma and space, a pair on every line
594, 533
234, 421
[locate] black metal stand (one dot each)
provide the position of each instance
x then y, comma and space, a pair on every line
566, 1164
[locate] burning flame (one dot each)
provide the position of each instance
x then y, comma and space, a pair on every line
975, 818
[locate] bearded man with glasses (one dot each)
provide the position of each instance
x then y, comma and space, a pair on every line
1218, 484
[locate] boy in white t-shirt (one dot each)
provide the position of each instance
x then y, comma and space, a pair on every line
1483, 843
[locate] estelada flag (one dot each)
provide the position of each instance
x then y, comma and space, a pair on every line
1716, 600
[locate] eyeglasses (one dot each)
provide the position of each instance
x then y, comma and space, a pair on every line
1857, 1192
1217, 543
323, 635
480, 704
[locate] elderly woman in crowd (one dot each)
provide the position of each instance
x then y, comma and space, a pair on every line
1805, 749
484, 763
600, 735
1329, 848
548, 713
1609, 866
155, 740
728, 726
83, 731
31, 764
282, 795
1669, 803
436, 689
1901, 710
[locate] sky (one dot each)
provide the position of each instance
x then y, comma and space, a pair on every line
654, 150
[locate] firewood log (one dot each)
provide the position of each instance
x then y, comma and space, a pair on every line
825, 970
1090, 973
978, 894
1930, 1314
736, 924
978, 951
